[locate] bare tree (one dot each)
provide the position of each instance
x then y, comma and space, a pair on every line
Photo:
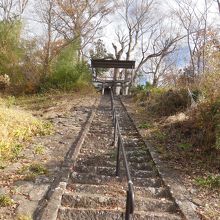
12, 9
158, 68
194, 22
119, 50
144, 34
218, 2
159, 44
45, 11
80, 20
136, 17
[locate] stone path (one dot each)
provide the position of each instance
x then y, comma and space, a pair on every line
94, 192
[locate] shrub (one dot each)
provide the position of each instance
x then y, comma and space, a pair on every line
169, 102
210, 86
67, 73
68, 78
207, 113
207, 118
141, 88
10, 50
4, 82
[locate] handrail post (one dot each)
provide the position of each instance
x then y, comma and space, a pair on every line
129, 201
118, 157
112, 104
114, 129
127, 212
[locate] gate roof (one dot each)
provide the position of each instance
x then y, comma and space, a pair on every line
101, 63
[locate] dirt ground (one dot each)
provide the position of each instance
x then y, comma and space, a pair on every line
172, 142
26, 179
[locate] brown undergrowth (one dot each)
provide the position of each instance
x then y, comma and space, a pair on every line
187, 140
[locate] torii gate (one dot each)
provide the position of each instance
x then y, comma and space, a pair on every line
114, 82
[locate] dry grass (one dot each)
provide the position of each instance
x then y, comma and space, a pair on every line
5, 200
16, 127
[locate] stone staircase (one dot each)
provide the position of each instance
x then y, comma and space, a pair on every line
94, 192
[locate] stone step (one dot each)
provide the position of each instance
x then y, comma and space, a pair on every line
93, 214
119, 190
97, 140
95, 201
133, 137
92, 162
133, 143
108, 171
128, 131
94, 134
101, 145
88, 155
152, 192
103, 124
137, 157
110, 190
88, 214
96, 158
99, 129
111, 171
137, 142
91, 140
132, 151
85, 178
143, 173
142, 166
88, 178
97, 151
147, 182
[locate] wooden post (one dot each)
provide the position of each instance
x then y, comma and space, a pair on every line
126, 88
103, 88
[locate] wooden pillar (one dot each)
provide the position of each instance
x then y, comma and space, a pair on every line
103, 88
126, 88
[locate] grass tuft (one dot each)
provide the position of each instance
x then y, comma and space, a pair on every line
39, 149
5, 201
210, 181
24, 217
185, 146
30, 172
38, 169
145, 126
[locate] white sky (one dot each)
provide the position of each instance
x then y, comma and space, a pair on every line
35, 29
